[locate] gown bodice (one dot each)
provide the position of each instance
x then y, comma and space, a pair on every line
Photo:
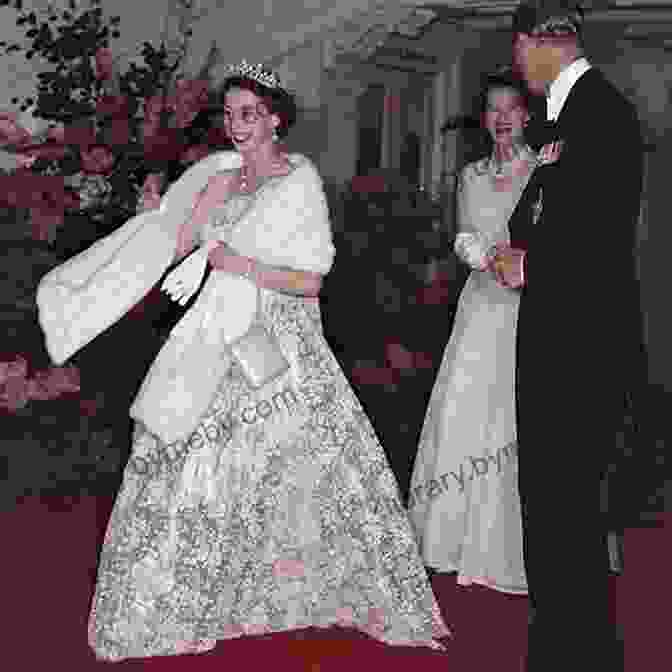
490, 208
224, 217
485, 211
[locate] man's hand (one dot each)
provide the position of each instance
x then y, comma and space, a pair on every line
507, 266
551, 153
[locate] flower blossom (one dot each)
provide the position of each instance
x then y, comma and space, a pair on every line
25, 160
153, 107
191, 96
44, 223
104, 64
97, 160
195, 153
11, 132
57, 133
114, 106
50, 151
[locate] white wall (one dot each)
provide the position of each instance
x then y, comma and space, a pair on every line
341, 88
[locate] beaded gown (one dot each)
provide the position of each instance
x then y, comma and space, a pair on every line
279, 512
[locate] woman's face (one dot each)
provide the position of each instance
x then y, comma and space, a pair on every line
247, 121
505, 116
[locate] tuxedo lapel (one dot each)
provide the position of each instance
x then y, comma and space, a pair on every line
583, 87
528, 210
523, 217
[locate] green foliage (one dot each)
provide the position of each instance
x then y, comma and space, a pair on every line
71, 94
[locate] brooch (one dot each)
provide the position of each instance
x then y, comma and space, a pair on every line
538, 207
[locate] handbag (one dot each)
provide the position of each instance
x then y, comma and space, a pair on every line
258, 353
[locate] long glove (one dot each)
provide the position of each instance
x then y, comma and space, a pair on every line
474, 249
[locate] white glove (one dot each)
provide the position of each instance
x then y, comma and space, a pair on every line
474, 249
182, 283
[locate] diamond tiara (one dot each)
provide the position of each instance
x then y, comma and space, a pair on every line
259, 73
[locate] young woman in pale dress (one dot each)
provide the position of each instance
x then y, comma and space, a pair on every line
296, 520
464, 496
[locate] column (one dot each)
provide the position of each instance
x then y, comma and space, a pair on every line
440, 85
302, 72
450, 141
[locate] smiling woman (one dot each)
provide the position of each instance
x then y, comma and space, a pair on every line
475, 530
265, 454
256, 114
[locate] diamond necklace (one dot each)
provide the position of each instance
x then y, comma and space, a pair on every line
244, 178
498, 167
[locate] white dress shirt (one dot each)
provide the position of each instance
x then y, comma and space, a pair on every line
559, 90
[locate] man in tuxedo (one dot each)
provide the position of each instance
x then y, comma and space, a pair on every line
579, 351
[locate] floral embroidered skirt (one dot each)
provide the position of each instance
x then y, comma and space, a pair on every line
279, 512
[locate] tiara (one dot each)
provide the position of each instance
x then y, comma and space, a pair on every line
259, 73
560, 25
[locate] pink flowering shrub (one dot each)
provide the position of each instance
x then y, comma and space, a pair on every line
17, 388
115, 127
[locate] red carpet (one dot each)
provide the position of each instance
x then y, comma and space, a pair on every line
48, 562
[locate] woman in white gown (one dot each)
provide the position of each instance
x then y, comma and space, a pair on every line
251, 504
464, 499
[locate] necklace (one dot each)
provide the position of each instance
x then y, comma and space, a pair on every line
244, 178
505, 173
502, 163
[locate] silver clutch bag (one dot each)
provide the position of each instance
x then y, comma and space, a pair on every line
259, 355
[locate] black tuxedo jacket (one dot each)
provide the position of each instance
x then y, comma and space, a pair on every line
580, 352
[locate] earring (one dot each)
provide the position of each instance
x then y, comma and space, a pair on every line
275, 136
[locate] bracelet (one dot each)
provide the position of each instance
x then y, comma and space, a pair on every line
249, 273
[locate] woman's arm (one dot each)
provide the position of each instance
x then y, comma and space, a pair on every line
279, 279
470, 245
288, 281
214, 193
150, 199
186, 238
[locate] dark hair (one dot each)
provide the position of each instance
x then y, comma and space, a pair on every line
277, 101
551, 18
504, 79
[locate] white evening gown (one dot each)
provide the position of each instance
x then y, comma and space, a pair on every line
464, 499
